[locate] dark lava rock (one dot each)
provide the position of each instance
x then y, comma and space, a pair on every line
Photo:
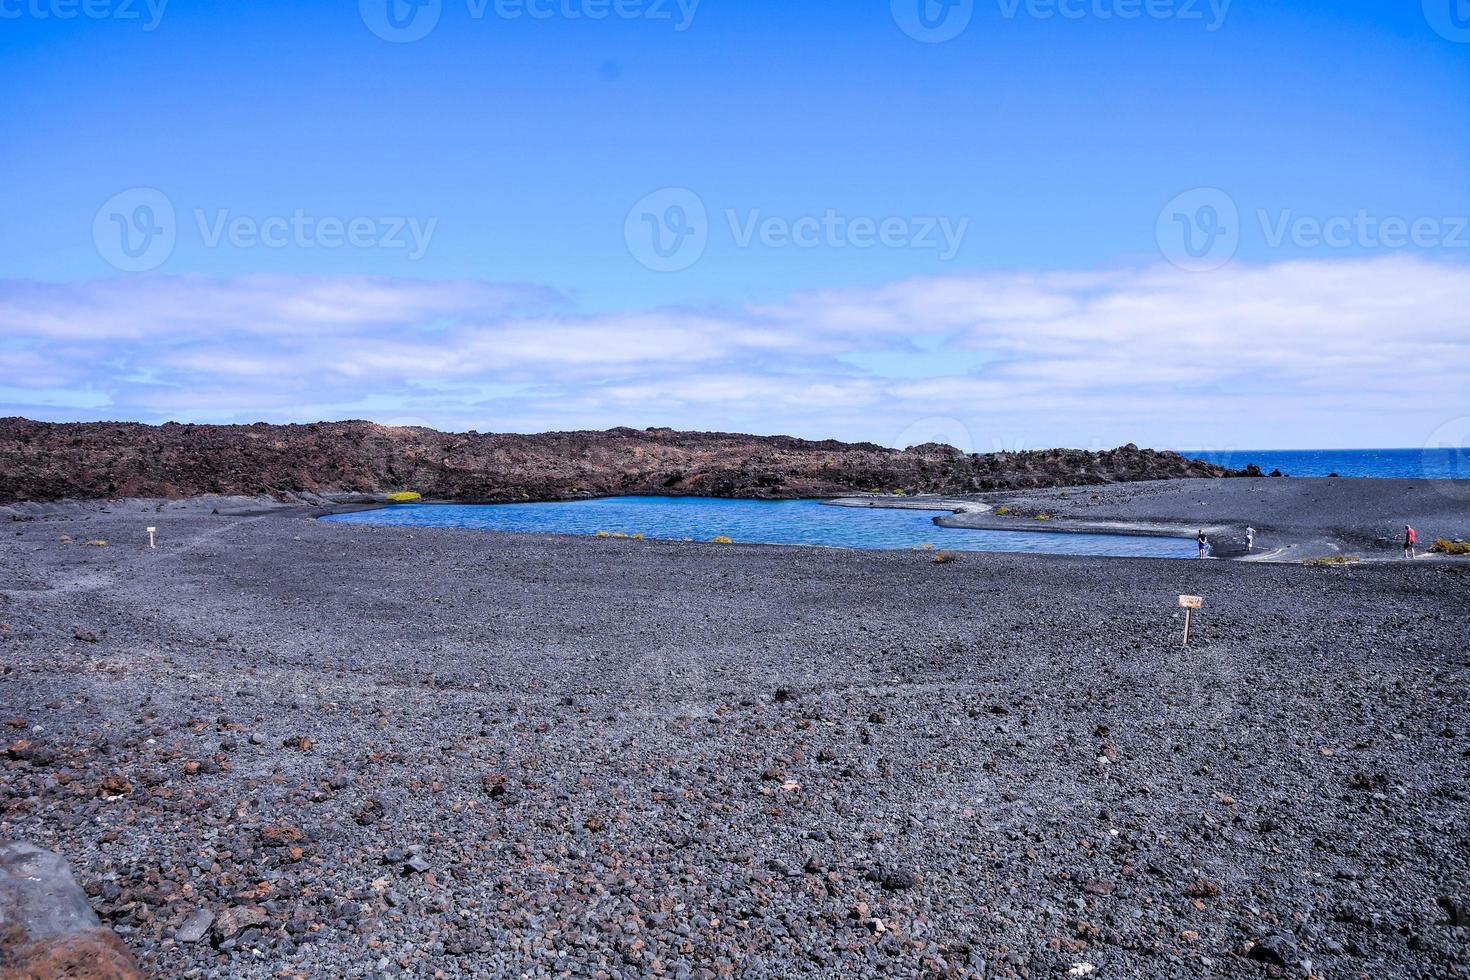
1277, 948
47, 926
90, 460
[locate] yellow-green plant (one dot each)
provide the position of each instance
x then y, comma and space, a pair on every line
1002, 510
603, 534
404, 497
638, 536
619, 534
1043, 517
98, 543
722, 539
1334, 560
1447, 547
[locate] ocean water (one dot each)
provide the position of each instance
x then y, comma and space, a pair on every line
807, 522
1412, 464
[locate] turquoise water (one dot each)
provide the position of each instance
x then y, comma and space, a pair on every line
761, 522
1411, 464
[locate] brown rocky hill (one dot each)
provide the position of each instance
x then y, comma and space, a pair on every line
50, 461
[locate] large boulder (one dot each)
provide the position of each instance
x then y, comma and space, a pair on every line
47, 927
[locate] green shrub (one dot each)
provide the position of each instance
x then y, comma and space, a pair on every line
1447, 547
404, 497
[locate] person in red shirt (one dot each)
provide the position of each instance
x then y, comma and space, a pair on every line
1410, 540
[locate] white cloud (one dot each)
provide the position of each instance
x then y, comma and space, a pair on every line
1294, 353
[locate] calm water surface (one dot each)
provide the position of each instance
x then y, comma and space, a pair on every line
761, 522
1440, 463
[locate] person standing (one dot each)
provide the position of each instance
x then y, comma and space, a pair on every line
1411, 539
1250, 538
1204, 543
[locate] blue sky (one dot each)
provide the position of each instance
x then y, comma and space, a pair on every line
822, 157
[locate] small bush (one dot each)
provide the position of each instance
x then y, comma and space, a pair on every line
1002, 510
1043, 517
946, 557
603, 534
1447, 547
1334, 560
98, 543
619, 534
404, 497
722, 539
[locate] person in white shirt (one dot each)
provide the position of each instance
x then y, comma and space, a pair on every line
1250, 538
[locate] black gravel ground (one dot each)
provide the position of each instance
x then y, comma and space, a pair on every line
369, 750
1295, 518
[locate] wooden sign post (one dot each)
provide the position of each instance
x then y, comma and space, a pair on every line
1189, 603
150, 536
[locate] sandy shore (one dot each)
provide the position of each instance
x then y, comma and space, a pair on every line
419, 750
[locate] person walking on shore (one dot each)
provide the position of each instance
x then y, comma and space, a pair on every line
1204, 543
1411, 539
1250, 539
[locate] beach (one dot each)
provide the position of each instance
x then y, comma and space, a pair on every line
362, 749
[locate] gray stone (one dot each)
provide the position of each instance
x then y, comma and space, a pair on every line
195, 927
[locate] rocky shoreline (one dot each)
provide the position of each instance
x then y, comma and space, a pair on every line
41, 461
281, 747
